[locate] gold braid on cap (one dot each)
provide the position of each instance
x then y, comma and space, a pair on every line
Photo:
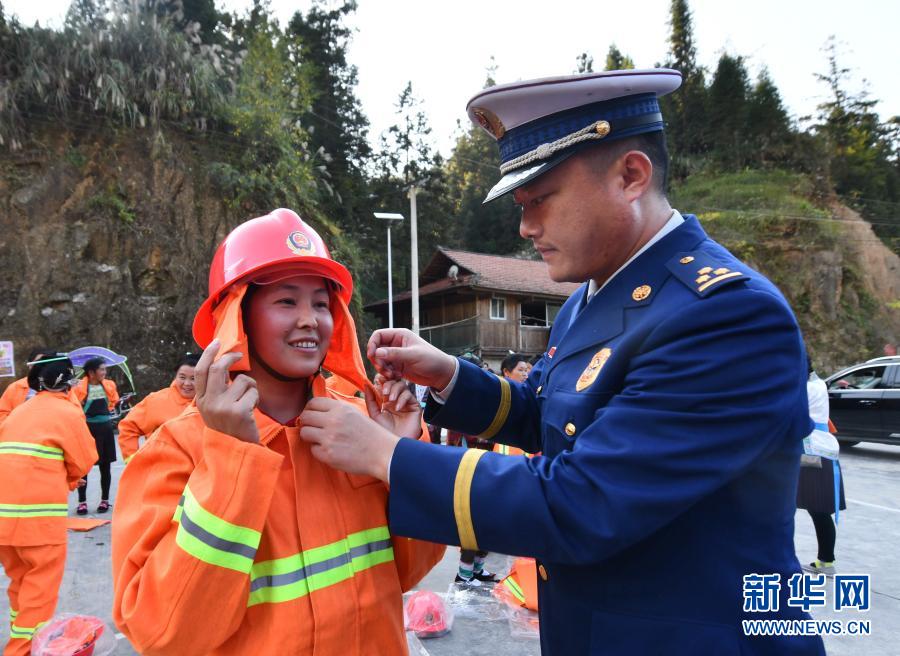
594, 131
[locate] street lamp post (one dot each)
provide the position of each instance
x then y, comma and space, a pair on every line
389, 217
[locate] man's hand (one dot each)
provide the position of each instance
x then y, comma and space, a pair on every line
225, 405
399, 353
343, 438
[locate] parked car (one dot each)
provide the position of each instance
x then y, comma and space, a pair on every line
865, 402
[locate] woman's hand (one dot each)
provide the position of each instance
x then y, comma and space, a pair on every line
399, 411
226, 405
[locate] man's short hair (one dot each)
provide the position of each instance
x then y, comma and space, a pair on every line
652, 144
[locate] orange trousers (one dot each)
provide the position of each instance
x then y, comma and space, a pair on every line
35, 575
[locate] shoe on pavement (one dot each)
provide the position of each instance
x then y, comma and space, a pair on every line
486, 577
81, 509
467, 583
819, 567
103, 507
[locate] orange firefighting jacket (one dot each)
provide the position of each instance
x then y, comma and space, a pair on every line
109, 386
14, 395
148, 415
224, 547
45, 448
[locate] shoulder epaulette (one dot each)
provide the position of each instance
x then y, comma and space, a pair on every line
703, 273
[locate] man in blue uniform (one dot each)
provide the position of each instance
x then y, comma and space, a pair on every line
669, 407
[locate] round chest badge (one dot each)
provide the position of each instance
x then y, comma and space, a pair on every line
300, 244
589, 375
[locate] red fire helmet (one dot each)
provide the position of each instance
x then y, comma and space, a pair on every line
267, 249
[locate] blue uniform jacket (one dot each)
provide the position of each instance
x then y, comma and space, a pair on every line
670, 413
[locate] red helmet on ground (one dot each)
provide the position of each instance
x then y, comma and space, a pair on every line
271, 247
426, 615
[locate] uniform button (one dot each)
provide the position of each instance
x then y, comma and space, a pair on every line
542, 571
570, 429
540, 387
687, 260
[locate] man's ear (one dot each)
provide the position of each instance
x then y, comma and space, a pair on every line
637, 174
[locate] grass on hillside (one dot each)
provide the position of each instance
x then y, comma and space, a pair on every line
750, 209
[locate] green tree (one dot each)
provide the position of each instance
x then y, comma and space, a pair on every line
861, 147
616, 61
769, 126
685, 109
334, 118
728, 109
472, 170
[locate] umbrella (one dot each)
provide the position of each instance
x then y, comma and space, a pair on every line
81, 355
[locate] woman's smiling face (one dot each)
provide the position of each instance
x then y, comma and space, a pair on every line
289, 325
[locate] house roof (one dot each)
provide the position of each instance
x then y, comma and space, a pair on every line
489, 272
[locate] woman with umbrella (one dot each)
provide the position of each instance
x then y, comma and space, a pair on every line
98, 397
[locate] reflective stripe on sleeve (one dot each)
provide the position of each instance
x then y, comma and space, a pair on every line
212, 539
31, 449
462, 498
23, 632
292, 577
34, 510
510, 584
502, 410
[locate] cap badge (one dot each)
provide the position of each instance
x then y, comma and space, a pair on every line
589, 375
489, 121
300, 244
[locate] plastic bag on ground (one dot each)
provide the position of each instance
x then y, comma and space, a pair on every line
73, 635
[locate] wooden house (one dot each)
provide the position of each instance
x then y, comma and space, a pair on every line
485, 304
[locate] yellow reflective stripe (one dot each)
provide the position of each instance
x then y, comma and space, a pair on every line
31, 449
213, 540
24, 632
34, 510
462, 498
502, 410
216, 525
128, 459
514, 588
292, 577
13, 614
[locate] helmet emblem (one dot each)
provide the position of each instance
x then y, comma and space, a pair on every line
300, 244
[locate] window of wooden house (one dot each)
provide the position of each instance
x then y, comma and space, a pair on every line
552, 311
538, 313
498, 307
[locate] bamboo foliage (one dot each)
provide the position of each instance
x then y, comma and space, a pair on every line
120, 60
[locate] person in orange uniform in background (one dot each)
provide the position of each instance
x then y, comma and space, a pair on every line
17, 392
98, 397
158, 407
45, 449
230, 537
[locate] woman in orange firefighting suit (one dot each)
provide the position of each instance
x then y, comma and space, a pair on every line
98, 397
45, 449
229, 536
158, 408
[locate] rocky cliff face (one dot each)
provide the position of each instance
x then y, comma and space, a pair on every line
106, 242
105, 239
